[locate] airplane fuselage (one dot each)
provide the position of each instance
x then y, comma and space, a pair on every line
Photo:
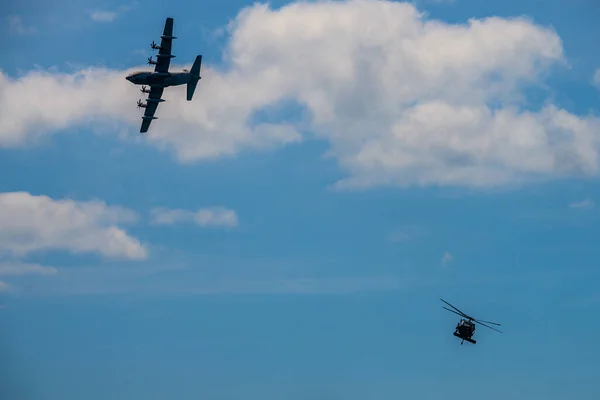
160, 79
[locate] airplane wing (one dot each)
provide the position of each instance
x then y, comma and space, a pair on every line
151, 106
163, 58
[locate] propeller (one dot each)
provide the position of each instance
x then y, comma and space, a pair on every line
462, 314
144, 90
151, 62
154, 46
141, 105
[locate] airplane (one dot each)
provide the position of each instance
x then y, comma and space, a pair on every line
162, 78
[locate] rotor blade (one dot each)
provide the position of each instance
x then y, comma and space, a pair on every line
462, 313
488, 322
487, 326
446, 308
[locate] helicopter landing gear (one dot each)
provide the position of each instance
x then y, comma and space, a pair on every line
464, 338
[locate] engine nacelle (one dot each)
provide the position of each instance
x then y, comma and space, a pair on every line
154, 46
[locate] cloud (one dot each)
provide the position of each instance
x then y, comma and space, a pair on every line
401, 99
138, 280
399, 237
446, 258
213, 216
444, 2
408, 232
103, 16
19, 268
302, 286
109, 16
596, 78
30, 223
16, 25
584, 204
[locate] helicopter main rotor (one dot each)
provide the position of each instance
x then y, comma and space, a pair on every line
462, 314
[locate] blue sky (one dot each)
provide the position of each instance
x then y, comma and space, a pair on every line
341, 167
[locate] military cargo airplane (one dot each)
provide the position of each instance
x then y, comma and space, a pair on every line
162, 78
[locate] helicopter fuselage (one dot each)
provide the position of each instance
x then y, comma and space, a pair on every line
160, 79
465, 331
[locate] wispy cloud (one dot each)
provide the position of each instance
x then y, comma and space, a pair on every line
408, 232
334, 285
399, 237
16, 25
20, 268
5, 287
103, 16
423, 2
446, 259
178, 281
212, 216
109, 16
582, 205
596, 78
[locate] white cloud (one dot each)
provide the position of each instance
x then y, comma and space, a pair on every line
30, 223
16, 25
109, 16
19, 268
446, 258
584, 204
596, 78
103, 16
213, 216
402, 100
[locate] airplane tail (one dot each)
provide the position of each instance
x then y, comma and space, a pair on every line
195, 72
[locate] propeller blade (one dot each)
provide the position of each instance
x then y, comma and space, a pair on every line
487, 326
460, 312
488, 322
446, 308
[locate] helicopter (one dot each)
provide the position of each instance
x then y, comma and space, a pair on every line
466, 326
